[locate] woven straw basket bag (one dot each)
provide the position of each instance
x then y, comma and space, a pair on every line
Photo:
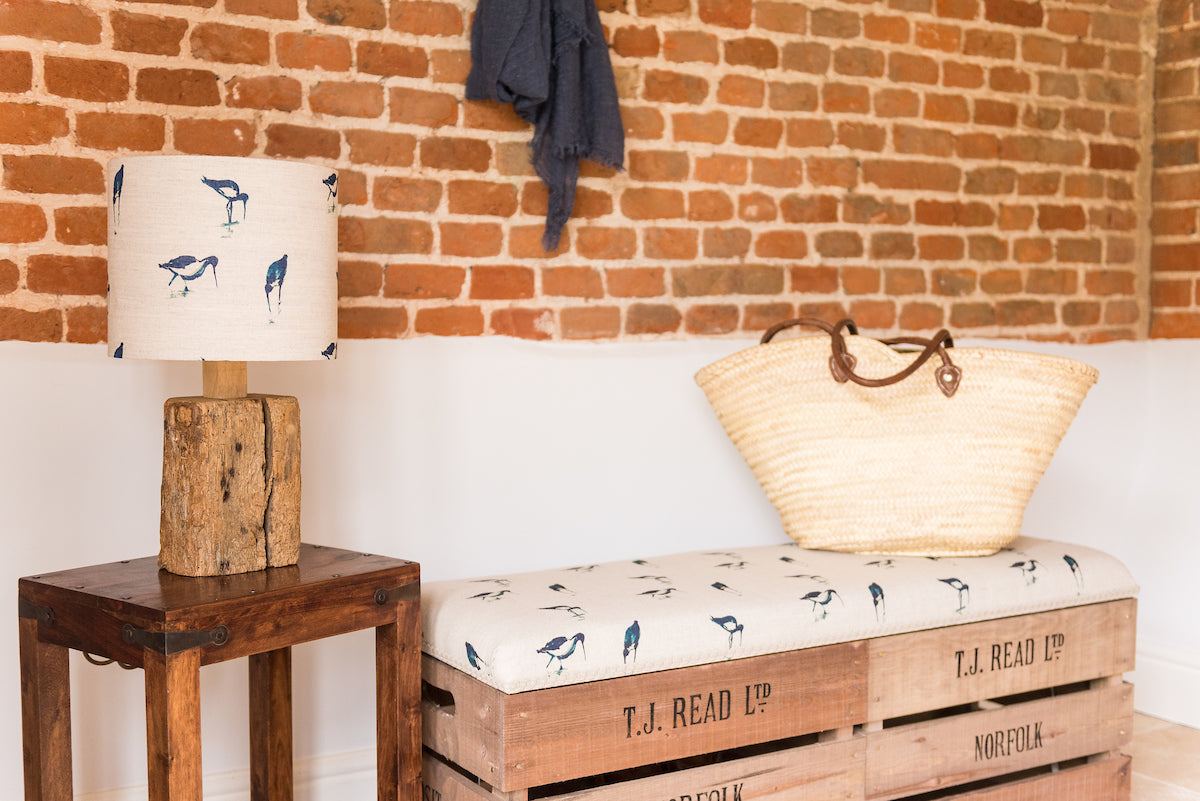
868, 448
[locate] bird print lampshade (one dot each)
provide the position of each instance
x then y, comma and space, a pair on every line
221, 259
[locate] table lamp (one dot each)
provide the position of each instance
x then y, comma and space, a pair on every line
224, 261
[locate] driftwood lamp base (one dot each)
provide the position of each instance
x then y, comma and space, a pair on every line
231, 483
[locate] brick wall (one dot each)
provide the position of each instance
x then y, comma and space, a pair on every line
978, 164
1175, 264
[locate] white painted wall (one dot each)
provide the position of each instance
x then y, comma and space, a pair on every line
483, 455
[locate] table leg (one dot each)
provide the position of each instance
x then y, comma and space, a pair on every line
398, 699
271, 726
45, 716
173, 725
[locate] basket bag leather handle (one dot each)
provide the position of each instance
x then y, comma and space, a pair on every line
842, 363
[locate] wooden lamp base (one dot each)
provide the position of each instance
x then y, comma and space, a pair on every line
231, 479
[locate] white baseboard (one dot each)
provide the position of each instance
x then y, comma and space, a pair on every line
1167, 684
321, 778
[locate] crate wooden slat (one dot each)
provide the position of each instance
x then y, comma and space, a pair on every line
1107, 779
994, 658
958, 749
608, 725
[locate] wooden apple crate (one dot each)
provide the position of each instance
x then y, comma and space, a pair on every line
1015, 709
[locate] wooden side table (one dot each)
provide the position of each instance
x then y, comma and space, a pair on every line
171, 625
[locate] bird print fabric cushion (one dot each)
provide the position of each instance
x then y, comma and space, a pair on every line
556, 627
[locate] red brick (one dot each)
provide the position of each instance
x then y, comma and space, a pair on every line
1088, 120
426, 18
392, 60
214, 137
1170, 257
828, 310
658, 165
635, 282
272, 9
447, 66
879, 314
996, 112
1025, 312
1052, 282
16, 71
710, 320
299, 142
893, 245
841, 172
783, 244
711, 127
671, 243
1089, 186
886, 29
861, 280
1061, 218
726, 243
589, 203
573, 282
947, 108
758, 132
359, 279
57, 22
934, 247
606, 243
482, 198
833, 23
470, 239
1001, 282
985, 247
935, 36
1162, 293
53, 175
1070, 22
1033, 250
655, 8
308, 51
839, 244
590, 322
352, 188
907, 68
897, 103
809, 133
85, 79
661, 86
808, 208
756, 207
1121, 250
21, 222
990, 43
685, 46
67, 275
536, 324
957, 9
784, 173
795, 97
32, 123
782, 17
752, 52
435, 109
525, 242
1174, 222
652, 203
845, 98
87, 324
1164, 325
953, 282
722, 169
29, 326
366, 322
725, 13
423, 281
871, 210
1087, 251
347, 99
972, 315
921, 317
501, 282
923, 140
734, 280
761, 316
182, 87
230, 44
264, 92
810, 57
633, 42
893, 174
463, 155
81, 225
646, 318
1051, 84
1113, 157
1046, 151
1077, 313
1014, 12
814, 280
961, 76
740, 90
386, 149
643, 123
369, 14
709, 205
383, 235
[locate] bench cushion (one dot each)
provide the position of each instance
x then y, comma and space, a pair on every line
549, 628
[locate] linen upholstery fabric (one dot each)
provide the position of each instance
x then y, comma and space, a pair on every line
707, 606
549, 59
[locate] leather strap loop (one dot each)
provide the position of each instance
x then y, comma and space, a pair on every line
948, 376
811, 322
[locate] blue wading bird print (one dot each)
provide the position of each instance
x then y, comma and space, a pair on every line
716, 585
119, 353
560, 588
329, 351
734, 565
731, 626
582, 569
884, 563
189, 268
561, 648
577, 612
820, 599
490, 596
643, 563
633, 636
499, 582
232, 194
659, 579
663, 593
964, 591
1028, 569
1076, 571
473, 657
810, 577
877, 599
275, 275
117, 187
331, 185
